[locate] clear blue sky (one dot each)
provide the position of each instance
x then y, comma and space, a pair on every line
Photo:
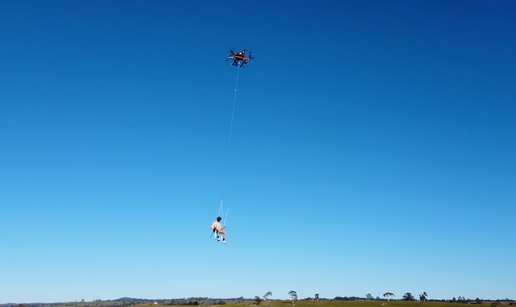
373, 150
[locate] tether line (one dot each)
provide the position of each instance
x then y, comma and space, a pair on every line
221, 208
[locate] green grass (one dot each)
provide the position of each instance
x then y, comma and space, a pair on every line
276, 303
389, 304
347, 304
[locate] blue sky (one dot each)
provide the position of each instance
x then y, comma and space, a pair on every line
372, 150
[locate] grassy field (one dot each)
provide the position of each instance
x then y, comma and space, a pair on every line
278, 303
343, 304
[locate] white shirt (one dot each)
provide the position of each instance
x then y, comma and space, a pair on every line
216, 225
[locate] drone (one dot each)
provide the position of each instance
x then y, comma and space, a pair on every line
239, 58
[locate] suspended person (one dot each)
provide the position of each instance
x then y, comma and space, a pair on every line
216, 227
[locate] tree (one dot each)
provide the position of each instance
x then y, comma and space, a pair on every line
258, 300
316, 297
240, 299
388, 295
369, 296
293, 295
408, 297
422, 297
478, 301
269, 293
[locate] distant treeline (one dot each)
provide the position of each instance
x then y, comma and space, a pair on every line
131, 302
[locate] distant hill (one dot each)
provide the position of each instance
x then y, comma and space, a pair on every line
131, 299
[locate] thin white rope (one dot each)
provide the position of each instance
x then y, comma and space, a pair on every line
221, 208
226, 218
